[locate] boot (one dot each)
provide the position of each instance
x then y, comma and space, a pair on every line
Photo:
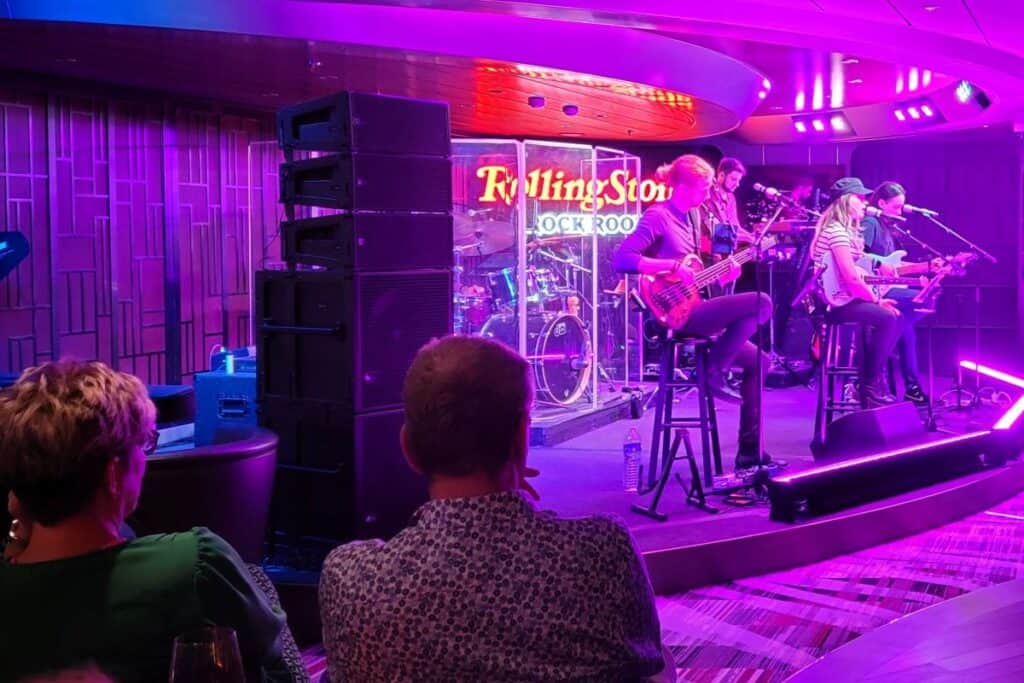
876, 393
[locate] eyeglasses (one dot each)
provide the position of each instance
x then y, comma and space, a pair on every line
150, 444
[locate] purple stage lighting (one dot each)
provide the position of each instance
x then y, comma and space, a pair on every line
818, 125
1010, 417
767, 84
838, 123
914, 113
800, 126
900, 116
927, 110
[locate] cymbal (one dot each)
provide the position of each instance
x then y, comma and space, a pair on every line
489, 237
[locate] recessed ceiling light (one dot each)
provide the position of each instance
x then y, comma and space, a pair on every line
855, 81
930, 8
851, 60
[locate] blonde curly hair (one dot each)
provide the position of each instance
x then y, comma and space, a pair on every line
60, 424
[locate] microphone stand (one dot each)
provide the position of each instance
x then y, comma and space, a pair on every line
932, 424
971, 246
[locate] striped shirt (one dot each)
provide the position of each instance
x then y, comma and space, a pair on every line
836, 235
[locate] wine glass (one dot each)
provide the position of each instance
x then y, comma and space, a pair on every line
207, 655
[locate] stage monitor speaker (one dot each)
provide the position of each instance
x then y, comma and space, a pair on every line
369, 242
346, 338
369, 182
340, 476
873, 430
363, 122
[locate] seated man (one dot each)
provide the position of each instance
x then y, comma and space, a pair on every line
482, 586
73, 444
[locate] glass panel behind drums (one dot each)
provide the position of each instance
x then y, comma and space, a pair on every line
558, 347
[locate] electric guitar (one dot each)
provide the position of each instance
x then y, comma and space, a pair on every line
833, 293
670, 300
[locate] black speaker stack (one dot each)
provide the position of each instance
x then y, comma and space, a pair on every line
367, 285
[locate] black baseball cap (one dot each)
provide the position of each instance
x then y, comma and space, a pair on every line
848, 185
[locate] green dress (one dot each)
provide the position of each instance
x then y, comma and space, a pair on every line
122, 607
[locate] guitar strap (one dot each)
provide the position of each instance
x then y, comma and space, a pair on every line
687, 219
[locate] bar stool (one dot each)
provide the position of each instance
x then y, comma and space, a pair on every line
665, 419
838, 366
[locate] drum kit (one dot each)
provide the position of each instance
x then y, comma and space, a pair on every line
487, 295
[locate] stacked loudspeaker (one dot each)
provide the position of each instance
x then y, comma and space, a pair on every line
368, 283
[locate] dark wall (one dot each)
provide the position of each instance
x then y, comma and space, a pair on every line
136, 209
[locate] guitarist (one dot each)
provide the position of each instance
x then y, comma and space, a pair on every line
879, 239
838, 232
720, 221
666, 241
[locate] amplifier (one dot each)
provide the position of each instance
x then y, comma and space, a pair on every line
363, 122
369, 182
369, 242
223, 399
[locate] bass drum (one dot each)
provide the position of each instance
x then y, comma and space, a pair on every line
557, 346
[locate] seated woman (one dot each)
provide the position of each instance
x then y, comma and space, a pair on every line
838, 236
72, 453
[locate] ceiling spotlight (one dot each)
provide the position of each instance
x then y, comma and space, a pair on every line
964, 90
818, 125
914, 113
930, 8
800, 126
767, 84
535, 101
851, 60
761, 95
838, 123
927, 110
900, 116
570, 109
855, 81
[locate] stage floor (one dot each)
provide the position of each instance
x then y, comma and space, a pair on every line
584, 475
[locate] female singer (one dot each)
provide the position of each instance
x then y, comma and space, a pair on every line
838, 233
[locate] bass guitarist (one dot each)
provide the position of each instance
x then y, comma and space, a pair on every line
666, 241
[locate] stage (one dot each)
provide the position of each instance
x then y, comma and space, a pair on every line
583, 476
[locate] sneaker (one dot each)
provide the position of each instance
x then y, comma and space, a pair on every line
915, 394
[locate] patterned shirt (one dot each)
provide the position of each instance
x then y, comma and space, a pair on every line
489, 589
662, 232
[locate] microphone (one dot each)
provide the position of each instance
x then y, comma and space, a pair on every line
909, 208
769, 192
877, 213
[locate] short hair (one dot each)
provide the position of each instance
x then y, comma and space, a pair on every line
60, 424
887, 190
685, 169
465, 399
729, 164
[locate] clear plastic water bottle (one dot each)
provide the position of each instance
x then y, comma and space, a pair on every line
632, 448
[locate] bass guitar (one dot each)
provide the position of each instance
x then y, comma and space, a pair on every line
671, 300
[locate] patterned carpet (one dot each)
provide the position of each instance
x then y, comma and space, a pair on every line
767, 628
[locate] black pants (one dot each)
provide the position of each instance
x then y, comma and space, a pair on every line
736, 317
886, 327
